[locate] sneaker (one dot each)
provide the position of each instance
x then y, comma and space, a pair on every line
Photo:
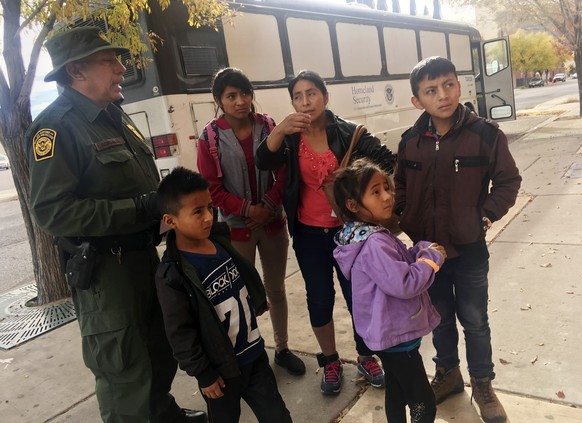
371, 370
331, 381
445, 384
491, 409
290, 361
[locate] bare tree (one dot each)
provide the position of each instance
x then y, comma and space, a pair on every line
413, 7
562, 18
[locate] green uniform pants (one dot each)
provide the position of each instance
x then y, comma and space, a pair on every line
123, 339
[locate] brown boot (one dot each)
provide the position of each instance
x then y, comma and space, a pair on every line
491, 409
445, 384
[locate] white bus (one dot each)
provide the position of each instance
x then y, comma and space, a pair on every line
364, 55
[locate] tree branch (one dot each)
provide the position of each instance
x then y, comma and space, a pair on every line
31, 17
33, 62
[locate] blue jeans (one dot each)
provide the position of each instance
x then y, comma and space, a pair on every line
314, 251
460, 290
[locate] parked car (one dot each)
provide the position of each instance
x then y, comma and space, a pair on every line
559, 77
536, 82
4, 163
574, 75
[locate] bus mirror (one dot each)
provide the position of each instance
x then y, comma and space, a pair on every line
501, 112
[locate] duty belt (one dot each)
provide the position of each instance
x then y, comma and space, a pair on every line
117, 243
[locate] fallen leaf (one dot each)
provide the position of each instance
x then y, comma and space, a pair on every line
514, 352
502, 361
6, 360
546, 265
494, 310
560, 395
533, 360
569, 292
526, 307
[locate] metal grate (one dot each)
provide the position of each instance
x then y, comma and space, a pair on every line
19, 323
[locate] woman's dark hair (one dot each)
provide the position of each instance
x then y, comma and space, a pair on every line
232, 77
351, 182
308, 76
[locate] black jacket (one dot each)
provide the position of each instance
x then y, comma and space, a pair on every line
339, 136
200, 343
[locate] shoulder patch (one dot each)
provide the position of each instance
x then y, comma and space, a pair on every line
43, 144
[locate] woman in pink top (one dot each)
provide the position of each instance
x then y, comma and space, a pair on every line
311, 143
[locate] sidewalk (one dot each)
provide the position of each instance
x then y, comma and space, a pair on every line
535, 304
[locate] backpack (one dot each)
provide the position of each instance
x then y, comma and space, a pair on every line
212, 139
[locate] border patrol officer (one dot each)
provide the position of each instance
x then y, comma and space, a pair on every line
92, 183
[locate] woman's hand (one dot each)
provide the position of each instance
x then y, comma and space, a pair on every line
214, 391
293, 123
259, 216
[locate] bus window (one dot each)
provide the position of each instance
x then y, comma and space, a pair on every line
310, 45
432, 44
197, 60
261, 32
355, 60
495, 56
460, 47
401, 51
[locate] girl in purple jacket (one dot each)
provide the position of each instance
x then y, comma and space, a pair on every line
391, 307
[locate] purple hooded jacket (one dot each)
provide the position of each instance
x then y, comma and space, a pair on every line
390, 303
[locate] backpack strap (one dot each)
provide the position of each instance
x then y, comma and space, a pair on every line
212, 139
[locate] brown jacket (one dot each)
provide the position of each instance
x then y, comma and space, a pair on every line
443, 194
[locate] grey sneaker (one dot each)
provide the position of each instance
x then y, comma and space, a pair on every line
331, 380
371, 370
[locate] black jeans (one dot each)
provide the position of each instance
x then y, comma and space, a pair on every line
407, 384
258, 387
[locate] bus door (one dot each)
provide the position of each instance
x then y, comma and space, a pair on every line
494, 80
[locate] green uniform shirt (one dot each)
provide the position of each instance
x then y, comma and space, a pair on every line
86, 166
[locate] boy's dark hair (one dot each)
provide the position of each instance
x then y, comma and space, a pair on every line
308, 76
178, 183
433, 67
351, 183
233, 77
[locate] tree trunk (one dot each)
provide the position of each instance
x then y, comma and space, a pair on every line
15, 118
50, 282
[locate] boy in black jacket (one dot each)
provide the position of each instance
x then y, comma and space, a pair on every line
210, 297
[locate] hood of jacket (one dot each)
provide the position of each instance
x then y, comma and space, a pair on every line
350, 240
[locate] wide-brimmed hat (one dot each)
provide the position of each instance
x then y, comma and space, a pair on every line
76, 44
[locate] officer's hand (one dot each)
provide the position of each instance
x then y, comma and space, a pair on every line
147, 207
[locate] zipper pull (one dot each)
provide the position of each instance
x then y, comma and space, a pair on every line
456, 165
436, 146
